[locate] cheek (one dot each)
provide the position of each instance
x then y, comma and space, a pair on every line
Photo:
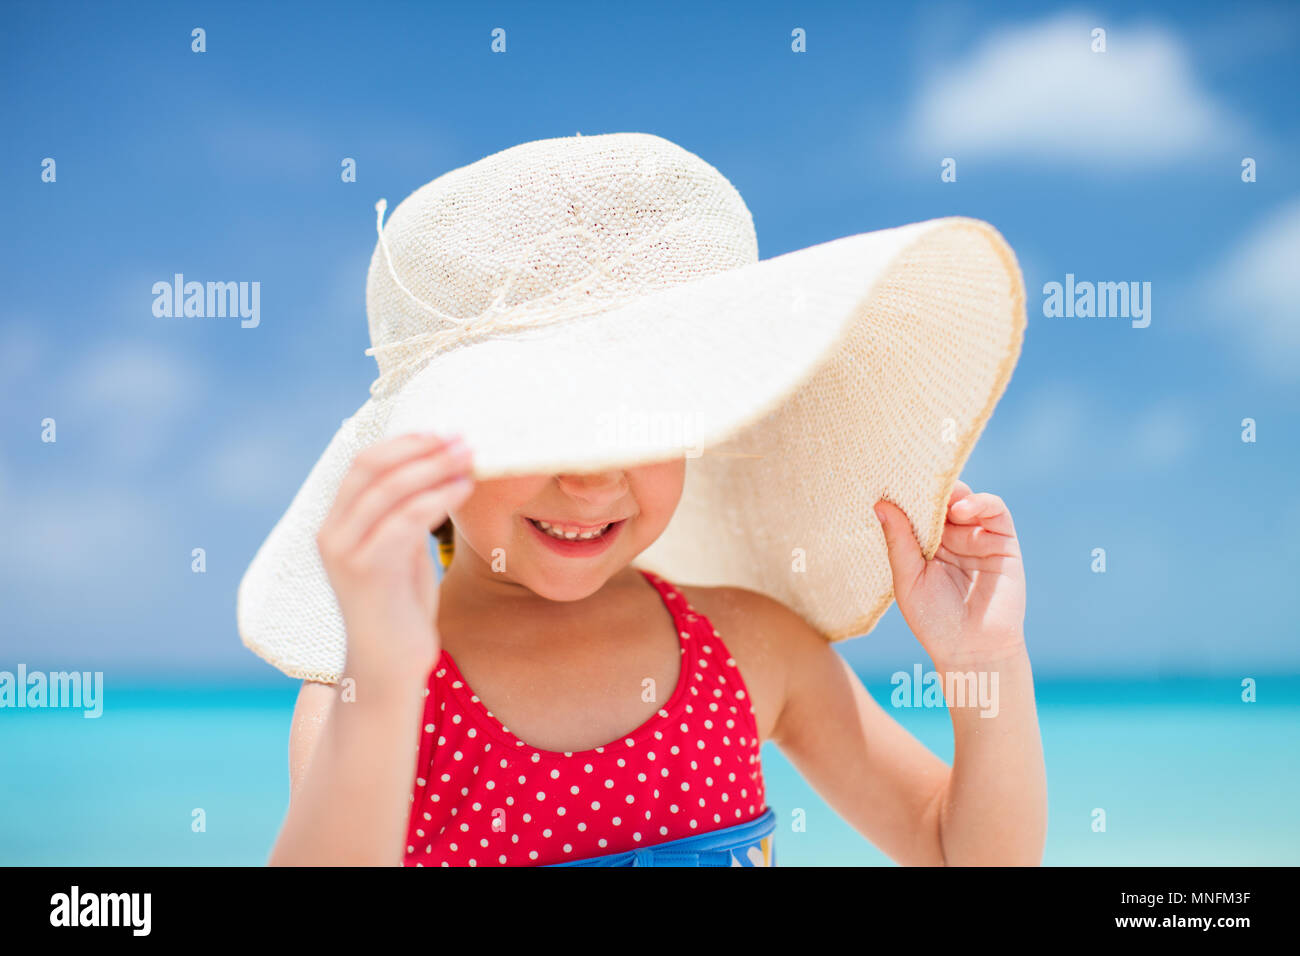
488, 513
658, 490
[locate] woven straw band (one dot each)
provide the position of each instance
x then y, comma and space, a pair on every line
583, 297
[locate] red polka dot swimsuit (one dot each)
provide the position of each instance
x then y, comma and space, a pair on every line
483, 797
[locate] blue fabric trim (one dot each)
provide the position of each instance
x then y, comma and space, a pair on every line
715, 848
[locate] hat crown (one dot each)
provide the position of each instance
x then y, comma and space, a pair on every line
548, 230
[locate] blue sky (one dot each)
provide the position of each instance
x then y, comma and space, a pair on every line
1122, 166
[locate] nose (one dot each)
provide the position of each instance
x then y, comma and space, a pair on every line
597, 488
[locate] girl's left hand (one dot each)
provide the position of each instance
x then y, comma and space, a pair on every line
966, 605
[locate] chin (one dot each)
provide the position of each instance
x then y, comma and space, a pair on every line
561, 583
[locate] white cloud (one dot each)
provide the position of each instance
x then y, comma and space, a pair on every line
1039, 91
1065, 429
22, 347
1254, 292
262, 466
1041, 435
1161, 435
74, 533
128, 398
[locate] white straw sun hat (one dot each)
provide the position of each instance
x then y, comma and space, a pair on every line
591, 302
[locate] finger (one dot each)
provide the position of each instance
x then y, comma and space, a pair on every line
976, 541
984, 509
381, 457
959, 491
413, 517
906, 562
398, 484
994, 564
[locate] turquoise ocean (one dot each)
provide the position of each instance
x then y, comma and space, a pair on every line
1186, 772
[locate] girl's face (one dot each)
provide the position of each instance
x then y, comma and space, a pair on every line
564, 536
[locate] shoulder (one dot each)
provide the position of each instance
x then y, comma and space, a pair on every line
752, 613
764, 636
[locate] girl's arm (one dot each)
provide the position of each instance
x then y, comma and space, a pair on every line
989, 808
966, 607
351, 766
352, 760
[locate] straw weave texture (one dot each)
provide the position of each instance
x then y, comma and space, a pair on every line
597, 301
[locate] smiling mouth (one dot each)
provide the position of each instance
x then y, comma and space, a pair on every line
571, 532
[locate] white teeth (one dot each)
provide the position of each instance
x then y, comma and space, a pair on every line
570, 534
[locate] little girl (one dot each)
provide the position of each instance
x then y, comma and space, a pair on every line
537, 741
628, 613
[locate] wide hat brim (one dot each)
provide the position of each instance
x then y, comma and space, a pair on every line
802, 389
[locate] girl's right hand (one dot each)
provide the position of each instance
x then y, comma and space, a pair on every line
374, 545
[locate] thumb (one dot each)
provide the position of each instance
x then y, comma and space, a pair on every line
906, 561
